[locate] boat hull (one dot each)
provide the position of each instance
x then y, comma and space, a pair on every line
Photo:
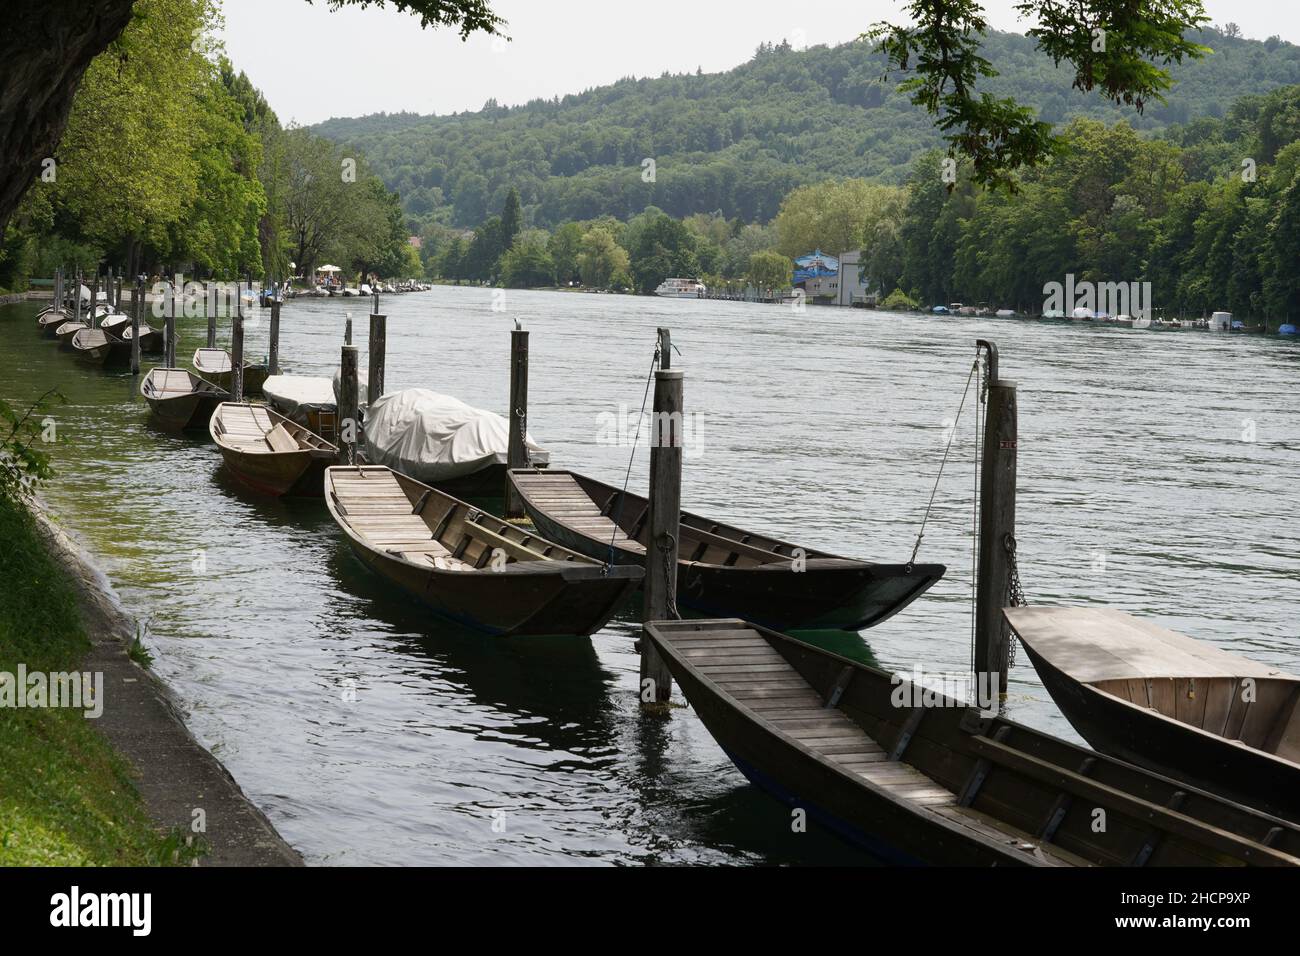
255, 377
298, 474
887, 829
555, 602
184, 412
915, 776
828, 593
1158, 743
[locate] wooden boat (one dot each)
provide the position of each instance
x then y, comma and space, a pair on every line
49, 320
151, 339
114, 323
66, 331
465, 564
91, 346
724, 570
269, 453
918, 777
179, 399
215, 365
1164, 701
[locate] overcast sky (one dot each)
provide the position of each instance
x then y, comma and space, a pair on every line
313, 64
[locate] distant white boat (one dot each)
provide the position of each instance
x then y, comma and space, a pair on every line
681, 289
1221, 322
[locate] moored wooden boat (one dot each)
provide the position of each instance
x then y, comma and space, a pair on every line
179, 399
722, 569
49, 320
269, 453
151, 339
216, 365
1178, 706
466, 565
91, 346
114, 323
66, 331
917, 777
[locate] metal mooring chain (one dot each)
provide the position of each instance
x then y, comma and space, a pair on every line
1015, 592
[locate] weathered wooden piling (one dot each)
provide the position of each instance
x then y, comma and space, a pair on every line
665, 348
76, 296
349, 414
347, 328
378, 356
94, 297
237, 354
212, 322
135, 324
273, 351
517, 450
997, 530
169, 326
664, 521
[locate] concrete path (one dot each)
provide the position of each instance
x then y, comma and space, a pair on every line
173, 773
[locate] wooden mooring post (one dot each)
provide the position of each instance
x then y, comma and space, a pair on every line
273, 350
209, 308
169, 326
665, 348
135, 324
237, 353
349, 413
347, 328
76, 296
378, 355
517, 449
997, 511
664, 521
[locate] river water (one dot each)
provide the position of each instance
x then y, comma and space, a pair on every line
1157, 474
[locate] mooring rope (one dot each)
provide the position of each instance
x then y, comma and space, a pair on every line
631, 459
947, 449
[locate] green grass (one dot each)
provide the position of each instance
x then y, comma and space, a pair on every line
65, 796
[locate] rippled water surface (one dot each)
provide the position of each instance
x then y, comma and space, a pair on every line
371, 735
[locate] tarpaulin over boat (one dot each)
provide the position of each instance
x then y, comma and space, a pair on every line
432, 437
363, 386
295, 396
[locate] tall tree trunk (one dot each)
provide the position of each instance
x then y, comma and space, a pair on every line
45, 47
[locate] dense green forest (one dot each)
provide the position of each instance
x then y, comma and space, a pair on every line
1207, 212
171, 160
737, 142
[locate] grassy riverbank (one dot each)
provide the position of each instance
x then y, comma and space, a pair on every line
65, 797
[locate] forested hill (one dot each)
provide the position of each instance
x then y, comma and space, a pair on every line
739, 141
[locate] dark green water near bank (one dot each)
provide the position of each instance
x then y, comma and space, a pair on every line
371, 734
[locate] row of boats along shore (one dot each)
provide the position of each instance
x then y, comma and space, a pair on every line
1197, 751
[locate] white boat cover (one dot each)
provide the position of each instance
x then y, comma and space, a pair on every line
433, 437
363, 386
293, 396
